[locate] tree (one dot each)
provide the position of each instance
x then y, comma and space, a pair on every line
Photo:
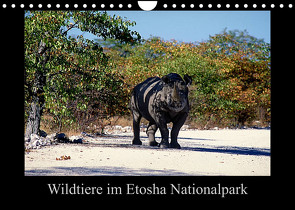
60, 68
245, 66
230, 71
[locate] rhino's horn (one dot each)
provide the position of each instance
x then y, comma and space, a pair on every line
175, 94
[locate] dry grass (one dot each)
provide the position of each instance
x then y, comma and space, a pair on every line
49, 126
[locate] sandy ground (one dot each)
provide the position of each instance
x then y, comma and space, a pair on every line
204, 153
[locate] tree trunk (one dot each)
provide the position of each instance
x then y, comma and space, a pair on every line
37, 104
37, 92
33, 123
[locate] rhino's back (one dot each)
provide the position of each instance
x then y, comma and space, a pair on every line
144, 92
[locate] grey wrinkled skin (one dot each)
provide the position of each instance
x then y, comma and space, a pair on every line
160, 101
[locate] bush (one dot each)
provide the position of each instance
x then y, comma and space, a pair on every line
230, 71
231, 74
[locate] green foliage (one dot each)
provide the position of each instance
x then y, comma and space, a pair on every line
61, 71
75, 79
231, 73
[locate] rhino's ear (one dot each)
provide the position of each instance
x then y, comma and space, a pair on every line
166, 79
187, 79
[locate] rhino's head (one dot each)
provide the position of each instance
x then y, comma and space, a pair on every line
176, 91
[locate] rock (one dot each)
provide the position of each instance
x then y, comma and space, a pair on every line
127, 129
72, 138
43, 133
27, 139
118, 127
76, 139
86, 134
62, 138
36, 142
34, 137
184, 127
51, 138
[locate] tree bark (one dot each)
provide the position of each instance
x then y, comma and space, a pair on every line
37, 104
33, 123
37, 92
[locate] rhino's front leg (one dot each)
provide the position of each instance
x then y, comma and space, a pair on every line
177, 124
165, 135
162, 125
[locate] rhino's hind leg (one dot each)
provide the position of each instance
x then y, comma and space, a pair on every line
136, 128
151, 130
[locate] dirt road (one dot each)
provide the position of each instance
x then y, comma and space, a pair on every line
244, 152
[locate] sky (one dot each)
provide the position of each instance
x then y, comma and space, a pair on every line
196, 26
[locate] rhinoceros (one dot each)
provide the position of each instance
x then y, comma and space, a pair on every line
160, 101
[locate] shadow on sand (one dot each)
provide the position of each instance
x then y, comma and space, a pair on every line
201, 148
232, 150
102, 171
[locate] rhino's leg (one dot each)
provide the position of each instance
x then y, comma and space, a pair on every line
161, 123
177, 124
136, 122
151, 130
165, 135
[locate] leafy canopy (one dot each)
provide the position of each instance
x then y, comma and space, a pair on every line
231, 73
60, 68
